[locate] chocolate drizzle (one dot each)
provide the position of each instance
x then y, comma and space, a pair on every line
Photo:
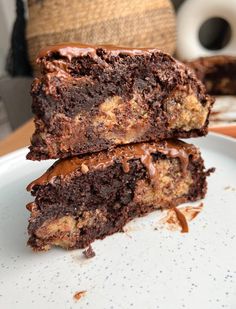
142, 151
73, 49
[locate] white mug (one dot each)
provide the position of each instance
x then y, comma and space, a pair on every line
191, 16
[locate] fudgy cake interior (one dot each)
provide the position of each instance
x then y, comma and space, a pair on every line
218, 73
84, 198
92, 98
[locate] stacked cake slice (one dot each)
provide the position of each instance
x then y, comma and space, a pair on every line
111, 116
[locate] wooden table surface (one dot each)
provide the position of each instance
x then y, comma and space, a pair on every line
21, 137
18, 139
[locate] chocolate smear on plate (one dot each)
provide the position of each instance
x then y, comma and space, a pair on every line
78, 295
178, 218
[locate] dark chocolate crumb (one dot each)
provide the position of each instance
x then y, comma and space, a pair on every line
89, 253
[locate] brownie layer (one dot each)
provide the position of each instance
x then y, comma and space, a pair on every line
92, 98
218, 73
85, 198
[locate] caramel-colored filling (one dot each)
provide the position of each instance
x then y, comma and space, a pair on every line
64, 231
170, 185
59, 232
187, 113
53, 227
120, 121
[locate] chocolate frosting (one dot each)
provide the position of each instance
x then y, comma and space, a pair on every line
101, 160
73, 49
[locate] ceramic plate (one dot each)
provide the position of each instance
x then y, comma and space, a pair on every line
223, 112
149, 266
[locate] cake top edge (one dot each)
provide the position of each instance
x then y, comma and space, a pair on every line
75, 49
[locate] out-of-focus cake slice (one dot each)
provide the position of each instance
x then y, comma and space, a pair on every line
84, 198
90, 98
218, 73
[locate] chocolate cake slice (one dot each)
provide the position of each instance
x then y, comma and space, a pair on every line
218, 73
91, 98
88, 197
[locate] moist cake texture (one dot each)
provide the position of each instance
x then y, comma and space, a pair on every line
218, 73
88, 197
90, 98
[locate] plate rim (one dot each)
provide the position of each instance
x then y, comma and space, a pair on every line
17, 155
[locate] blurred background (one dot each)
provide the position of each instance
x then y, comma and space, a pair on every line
186, 29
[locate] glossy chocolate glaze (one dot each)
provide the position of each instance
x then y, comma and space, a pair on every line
101, 160
73, 49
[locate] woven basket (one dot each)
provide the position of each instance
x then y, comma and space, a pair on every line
133, 23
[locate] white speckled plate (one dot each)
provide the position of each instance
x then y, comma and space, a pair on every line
144, 268
224, 112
